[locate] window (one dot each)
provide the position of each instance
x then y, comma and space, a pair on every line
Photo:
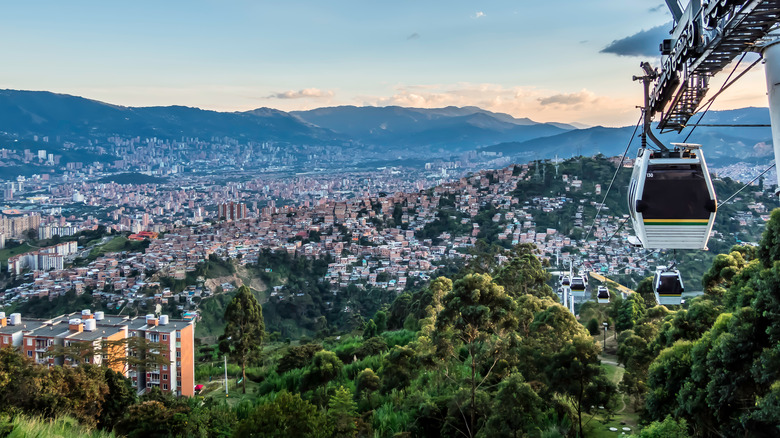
178, 364
148, 385
165, 377
165, 367
165, 386
165, 337
178, 354
29, 354
178, 334
29, 342
7, 339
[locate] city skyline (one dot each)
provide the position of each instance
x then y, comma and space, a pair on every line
568, 63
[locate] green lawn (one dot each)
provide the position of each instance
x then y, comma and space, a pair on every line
7, 253
114, 245
216, 389
598, 425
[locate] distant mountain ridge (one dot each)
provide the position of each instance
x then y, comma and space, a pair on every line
28, 113
434, 132
721, 145
453, 127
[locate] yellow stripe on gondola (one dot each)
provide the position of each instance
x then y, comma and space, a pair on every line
676, 221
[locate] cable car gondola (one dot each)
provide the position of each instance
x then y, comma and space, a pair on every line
668, 286
566, 281
671, 198
578, 287
603, 295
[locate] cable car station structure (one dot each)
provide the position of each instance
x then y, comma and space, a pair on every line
671, 199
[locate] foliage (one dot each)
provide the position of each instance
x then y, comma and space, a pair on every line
287, 415
325, 367
245, 329
297, 357
342, 413
23, 426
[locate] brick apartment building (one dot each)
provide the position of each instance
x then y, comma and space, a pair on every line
105, 339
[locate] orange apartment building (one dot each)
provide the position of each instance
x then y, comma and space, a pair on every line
35, 338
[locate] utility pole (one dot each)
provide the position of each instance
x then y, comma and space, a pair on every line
606, 325
226, 380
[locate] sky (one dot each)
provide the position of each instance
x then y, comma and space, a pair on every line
558, 61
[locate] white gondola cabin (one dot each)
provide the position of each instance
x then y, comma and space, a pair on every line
603, 295
578, 287
566, 281
668, 286
671, 198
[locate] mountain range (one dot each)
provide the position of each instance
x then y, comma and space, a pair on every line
438, 131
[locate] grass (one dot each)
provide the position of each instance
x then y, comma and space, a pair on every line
7, 253
114, 245
598, 424
615, 374
216, 390
22, 426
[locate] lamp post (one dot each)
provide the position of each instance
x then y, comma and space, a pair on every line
606, 326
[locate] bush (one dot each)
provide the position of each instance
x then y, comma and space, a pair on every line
593, 326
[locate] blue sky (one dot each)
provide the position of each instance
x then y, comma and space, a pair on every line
534, 59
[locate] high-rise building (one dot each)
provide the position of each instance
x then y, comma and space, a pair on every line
14, 223
232, 211
113, 341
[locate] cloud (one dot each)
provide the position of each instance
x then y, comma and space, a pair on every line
306, 93
538, 104
644, 43
570, 99
479, 14
414, 36
660, 7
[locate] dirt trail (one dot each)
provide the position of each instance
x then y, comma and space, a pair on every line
238, 280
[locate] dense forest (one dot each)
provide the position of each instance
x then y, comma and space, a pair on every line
487, 352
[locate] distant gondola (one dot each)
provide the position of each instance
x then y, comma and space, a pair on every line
566, 281
578, 287
671, 198
603, 295
668, 286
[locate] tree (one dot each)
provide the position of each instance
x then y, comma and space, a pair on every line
371, 330
630, 310
769, 248
669, 428
297, 357
244, 329
397, 368
517, 410
479, 314
288, 415
575, 372
367, 382
342, 413
325, 367
121, 395
380, 319
524, 274
594, 327
645, 289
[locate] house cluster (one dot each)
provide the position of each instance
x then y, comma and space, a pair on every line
113, 341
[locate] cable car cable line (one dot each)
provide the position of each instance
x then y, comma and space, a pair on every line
726, 85
614, 176
746, 185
